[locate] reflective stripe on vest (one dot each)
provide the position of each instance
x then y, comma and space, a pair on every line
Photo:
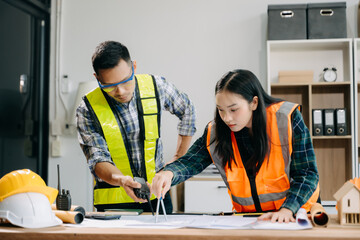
116, 144
272, 180
150, 118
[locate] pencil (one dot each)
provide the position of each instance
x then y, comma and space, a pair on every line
255, 214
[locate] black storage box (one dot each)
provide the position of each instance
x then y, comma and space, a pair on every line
287, 21
326, 20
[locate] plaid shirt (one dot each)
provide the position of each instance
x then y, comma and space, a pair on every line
303, 169
94, 145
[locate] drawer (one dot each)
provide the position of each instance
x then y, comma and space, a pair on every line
208, 196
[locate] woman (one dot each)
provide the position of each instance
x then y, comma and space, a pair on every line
260, 145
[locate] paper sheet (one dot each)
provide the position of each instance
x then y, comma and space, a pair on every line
194, 221
301, 222
174, 221
281, 226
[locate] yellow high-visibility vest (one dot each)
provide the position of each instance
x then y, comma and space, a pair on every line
149, 110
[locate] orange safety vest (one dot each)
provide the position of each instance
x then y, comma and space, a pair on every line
272, 180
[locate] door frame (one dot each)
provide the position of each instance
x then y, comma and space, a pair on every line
40, 11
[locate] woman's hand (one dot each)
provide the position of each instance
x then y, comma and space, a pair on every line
283, 215
161, 183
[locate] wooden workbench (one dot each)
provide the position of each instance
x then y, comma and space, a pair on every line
332, 231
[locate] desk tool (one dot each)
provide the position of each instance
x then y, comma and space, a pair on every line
157, 209
63, 199
252, 214
143, 192
103, 215
125, 211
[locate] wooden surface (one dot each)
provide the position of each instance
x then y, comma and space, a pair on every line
333, 231
295, 94
334, 165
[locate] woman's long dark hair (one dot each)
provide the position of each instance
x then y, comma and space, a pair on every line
246, 84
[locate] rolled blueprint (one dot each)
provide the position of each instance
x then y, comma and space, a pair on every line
318, 215
302, 218
69, 216
74, 208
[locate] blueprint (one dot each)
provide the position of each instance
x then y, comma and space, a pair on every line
192, 221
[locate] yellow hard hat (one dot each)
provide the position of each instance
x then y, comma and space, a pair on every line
25, 180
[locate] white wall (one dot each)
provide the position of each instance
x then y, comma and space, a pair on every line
190, 42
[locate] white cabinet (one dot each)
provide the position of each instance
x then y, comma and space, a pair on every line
336, 158
356, 100
206, 194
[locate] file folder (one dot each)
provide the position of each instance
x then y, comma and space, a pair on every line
318, 129
340, 121
329, 123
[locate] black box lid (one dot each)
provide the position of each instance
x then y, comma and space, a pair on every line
327, 5
286, 6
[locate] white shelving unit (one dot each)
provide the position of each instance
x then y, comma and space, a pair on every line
335, 154
310, 55
356, 101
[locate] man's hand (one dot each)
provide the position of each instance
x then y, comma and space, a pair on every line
161, 183
283, 215
129, 184
112, 175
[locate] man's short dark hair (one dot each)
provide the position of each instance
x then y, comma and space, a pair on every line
108, 55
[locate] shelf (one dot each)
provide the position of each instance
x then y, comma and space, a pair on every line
289, 84
327, 84
334, 154
331, 96
334, 137
313, 44
314, 55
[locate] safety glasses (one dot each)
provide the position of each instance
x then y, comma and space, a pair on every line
112, 87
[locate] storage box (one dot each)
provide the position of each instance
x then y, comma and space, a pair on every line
287, 21
306, 76
326, 20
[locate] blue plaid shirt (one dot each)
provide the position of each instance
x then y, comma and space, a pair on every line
94, 145
303, 169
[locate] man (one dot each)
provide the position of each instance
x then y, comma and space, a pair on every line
119, 127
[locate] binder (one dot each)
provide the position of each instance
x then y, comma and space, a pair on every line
340, 121
318, 129
329, 121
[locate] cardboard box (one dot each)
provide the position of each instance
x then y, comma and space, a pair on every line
305, 76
